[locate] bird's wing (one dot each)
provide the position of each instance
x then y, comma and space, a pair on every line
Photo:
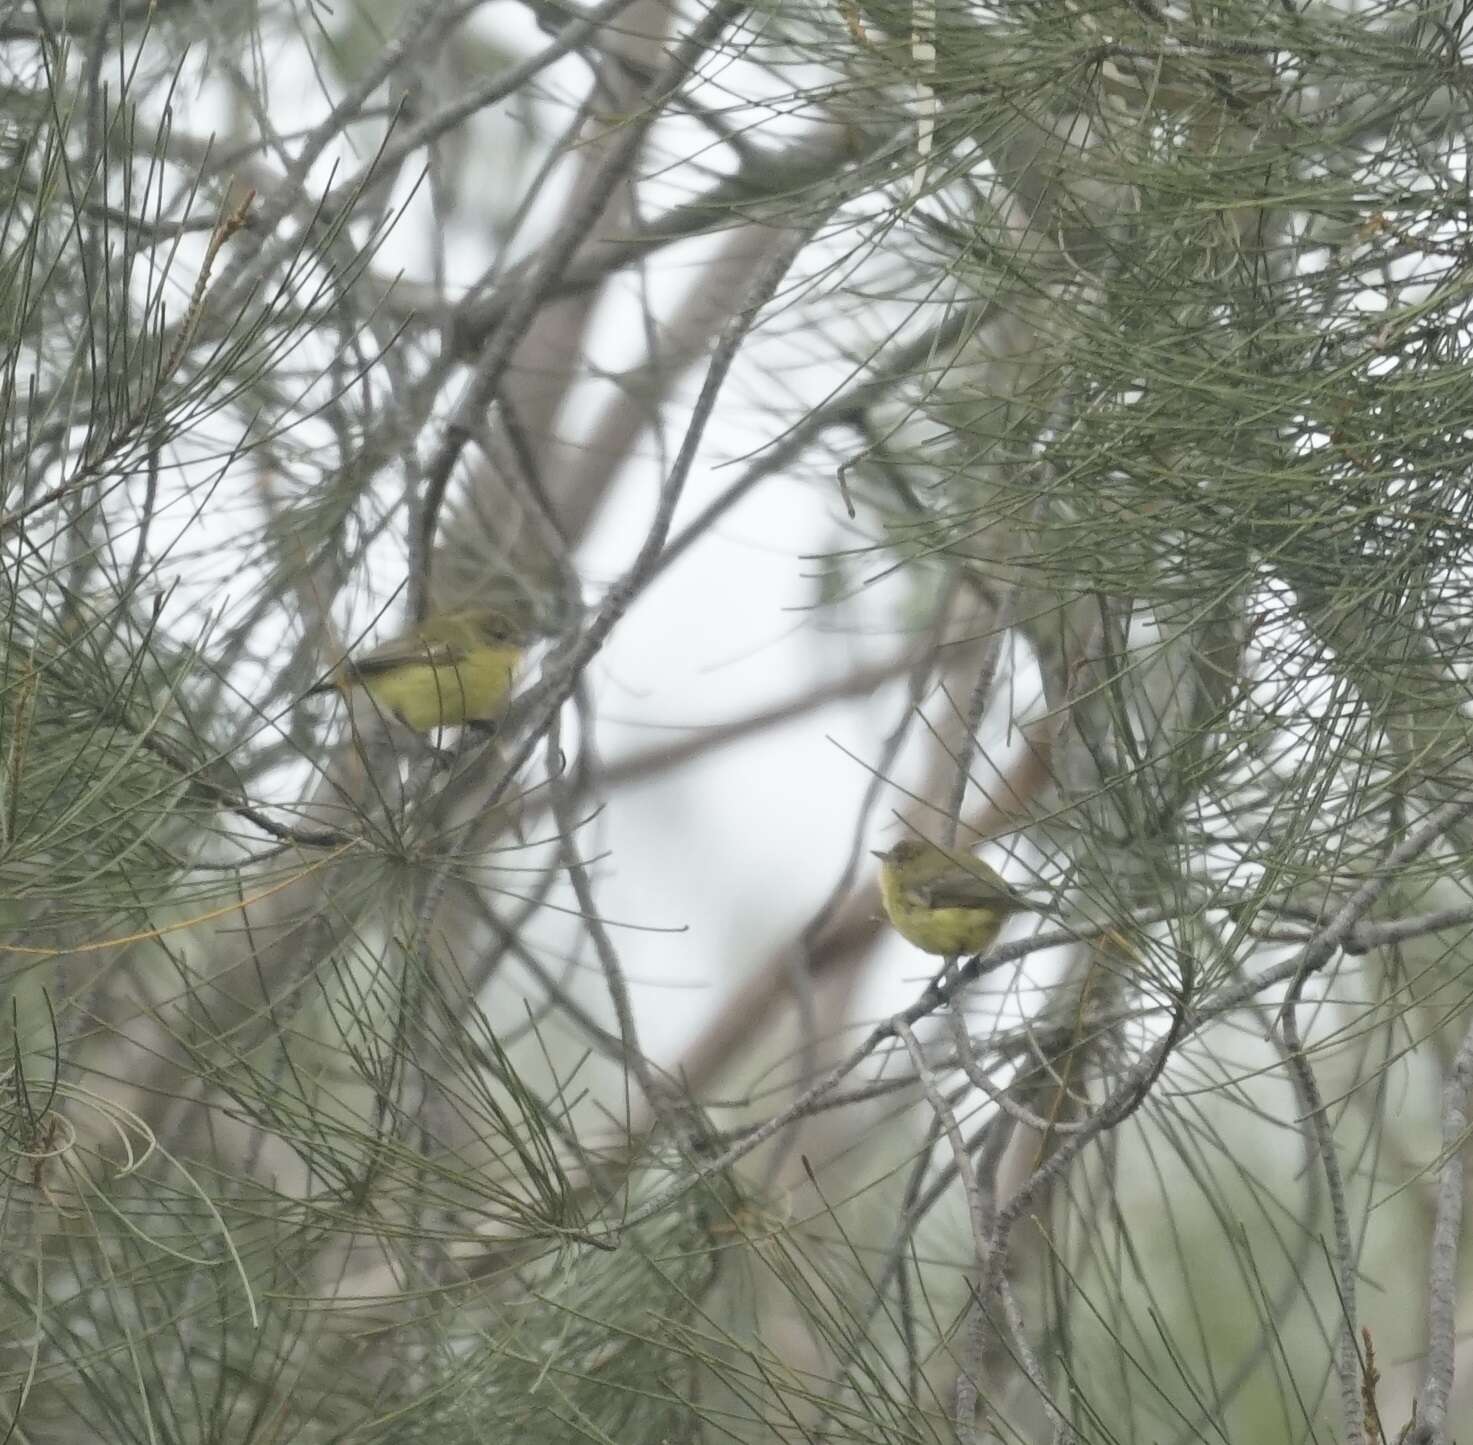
957, 888
407, 650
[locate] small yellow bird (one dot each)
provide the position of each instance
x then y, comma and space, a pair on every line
944, 900
454, 668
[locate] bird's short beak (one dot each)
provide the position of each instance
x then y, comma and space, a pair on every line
875, 853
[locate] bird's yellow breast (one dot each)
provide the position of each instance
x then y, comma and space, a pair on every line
425, 695
938, 930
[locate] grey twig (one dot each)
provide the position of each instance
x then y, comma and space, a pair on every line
1318, 950
1347, 1357
978, 1211
1447, 1234
566, 670
656, 1094
496, 356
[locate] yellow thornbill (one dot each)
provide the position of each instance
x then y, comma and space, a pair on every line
944, 900
453, 668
